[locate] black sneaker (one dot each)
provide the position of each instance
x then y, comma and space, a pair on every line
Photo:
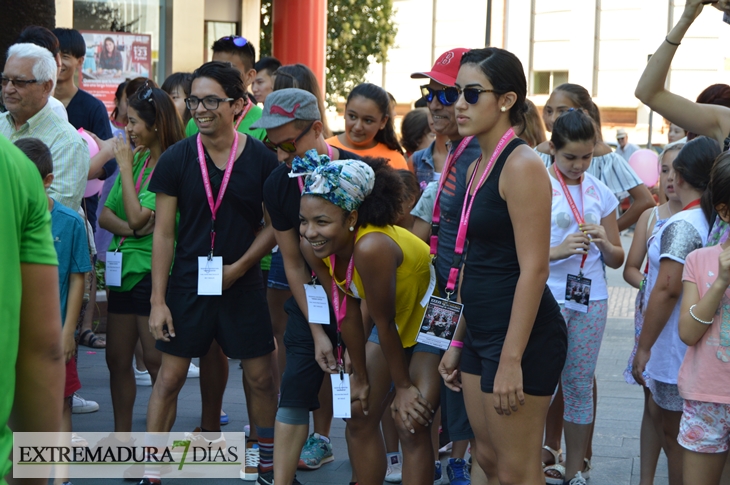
266, 478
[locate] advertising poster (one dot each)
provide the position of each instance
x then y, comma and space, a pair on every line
112, 58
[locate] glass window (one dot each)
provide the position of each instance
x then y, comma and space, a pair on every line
543, 82
214, 31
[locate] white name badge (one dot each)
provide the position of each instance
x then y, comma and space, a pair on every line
113, 273
577, 293
210, 275
317, 306
341, 406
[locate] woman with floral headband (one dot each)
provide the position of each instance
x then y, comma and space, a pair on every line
347, 213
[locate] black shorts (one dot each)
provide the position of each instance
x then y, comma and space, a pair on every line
302, 376
542, 361
454, 409
133, 302
238, 320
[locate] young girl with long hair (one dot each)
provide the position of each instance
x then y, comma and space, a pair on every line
660, 350
584, 237
347, 213
510, 348
635, 274
154, 125
369, 127
703, 326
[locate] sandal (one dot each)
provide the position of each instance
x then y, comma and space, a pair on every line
89, 339
556, 455
555, 473
587, 469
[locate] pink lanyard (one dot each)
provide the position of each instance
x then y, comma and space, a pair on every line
300, 179
466, 209
245, 111
450, 162
224, 185
574, 208
341, 311
136, 189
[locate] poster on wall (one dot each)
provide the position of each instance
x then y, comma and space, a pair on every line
112, 58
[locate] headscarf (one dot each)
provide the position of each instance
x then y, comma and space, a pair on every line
345, 183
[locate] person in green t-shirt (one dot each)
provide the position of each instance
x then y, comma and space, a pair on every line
31, 357
242, 55
129, 214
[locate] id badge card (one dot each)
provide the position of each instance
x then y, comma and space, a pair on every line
113, 273
341, 406
317, 307
210, 276
439, 322
577, 293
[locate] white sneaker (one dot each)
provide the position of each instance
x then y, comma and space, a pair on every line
142, 378
193, 371
82, 406
394, 474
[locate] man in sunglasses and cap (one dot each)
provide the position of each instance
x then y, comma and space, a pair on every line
441, 96
241, 54
293, 122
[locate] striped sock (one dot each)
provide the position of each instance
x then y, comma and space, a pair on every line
266, 449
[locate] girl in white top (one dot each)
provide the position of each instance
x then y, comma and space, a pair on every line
660, 351
584, 234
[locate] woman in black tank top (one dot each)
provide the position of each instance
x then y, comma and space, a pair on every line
514, 337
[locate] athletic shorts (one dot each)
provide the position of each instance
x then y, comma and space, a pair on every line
302, 377
705, 427
666, 396
542, 361
277, 276
133, 302
419, 347
238, 320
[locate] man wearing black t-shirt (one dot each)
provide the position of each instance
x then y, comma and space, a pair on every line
293, 123
215, 289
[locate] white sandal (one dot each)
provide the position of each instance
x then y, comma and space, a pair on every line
556, 466
587, 469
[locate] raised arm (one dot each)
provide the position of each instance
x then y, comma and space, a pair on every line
703, 119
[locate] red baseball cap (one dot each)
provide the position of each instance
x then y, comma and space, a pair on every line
445, 69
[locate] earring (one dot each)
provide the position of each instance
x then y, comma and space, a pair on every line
155, 129
503, 109
352, 229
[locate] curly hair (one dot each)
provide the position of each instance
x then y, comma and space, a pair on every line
383, 206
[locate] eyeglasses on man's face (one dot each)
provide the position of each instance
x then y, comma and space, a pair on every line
18, 83
209, 102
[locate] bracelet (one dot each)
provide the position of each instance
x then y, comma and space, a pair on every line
692, 314
135, 234
675, 44
457, 344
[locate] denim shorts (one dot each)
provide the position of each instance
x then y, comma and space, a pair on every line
277, 275
419, 347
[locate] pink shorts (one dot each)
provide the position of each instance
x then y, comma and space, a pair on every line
705, 427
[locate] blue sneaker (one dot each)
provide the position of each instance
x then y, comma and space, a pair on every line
457, 471
437, 476
316, 452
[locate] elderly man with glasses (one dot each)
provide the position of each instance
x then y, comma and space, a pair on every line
27, 83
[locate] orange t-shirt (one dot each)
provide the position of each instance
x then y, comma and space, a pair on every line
395, 159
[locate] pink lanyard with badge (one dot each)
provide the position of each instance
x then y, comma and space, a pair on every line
341, 310
214, 206
450, 162
245, 111
137, 187
576, 213
467, 206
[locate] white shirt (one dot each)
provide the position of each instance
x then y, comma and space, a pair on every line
682, 234
58, 107
598, 202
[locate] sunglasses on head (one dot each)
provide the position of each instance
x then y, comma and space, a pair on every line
450, 95
144, 93
237, 40
289, 146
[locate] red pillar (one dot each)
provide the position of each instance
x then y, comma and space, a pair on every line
300, 34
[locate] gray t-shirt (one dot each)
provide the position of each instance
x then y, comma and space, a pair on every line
451, 202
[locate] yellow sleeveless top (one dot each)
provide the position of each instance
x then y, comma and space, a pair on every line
415, 281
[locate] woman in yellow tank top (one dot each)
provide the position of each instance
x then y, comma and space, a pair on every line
346, 216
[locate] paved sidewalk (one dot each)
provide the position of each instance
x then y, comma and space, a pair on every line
616, 439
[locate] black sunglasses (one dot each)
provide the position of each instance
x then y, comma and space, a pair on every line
289, 146
446, 96
209, 102
18, 83
144, 93
471, 95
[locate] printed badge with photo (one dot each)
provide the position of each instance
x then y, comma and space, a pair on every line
577, 293
439, 322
